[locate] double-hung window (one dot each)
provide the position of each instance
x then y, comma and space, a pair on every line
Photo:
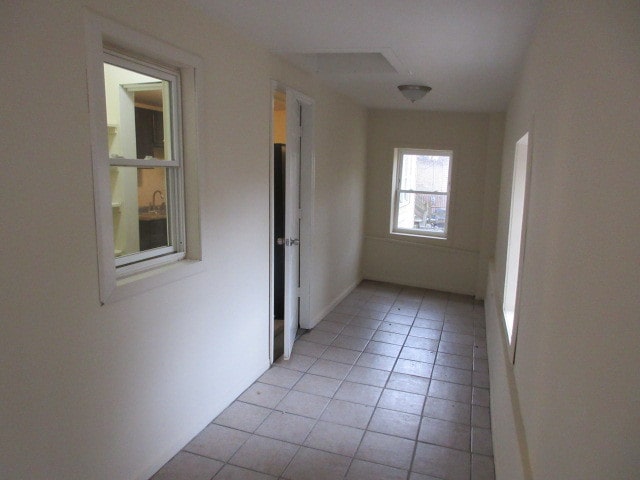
145, 166
141, 93
421, 193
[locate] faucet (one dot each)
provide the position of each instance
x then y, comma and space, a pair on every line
154, 208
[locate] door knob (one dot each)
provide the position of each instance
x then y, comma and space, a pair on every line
280, 241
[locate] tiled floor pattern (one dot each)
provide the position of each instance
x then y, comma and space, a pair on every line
392, 384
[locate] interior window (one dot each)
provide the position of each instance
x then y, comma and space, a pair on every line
422, 191
144, 166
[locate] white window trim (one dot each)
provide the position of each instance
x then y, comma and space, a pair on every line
397, 190
144, 260
101, 33
511, 299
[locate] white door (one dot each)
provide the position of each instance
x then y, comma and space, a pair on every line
292, 225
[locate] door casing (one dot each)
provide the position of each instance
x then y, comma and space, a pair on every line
307, 195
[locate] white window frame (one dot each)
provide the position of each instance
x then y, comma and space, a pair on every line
127, 265
397, 191
511, 299
112, 42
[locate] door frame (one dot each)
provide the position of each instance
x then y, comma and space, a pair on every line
307, 196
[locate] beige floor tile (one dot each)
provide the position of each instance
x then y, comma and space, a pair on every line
305, 404
376, 361
281, 377
231, 472
482, 468
217, 442
445, 434
441, 462
386, 449
396, 423
286, 427
187, 466
450, 391
335, 438
347, 413
358, 393
242, 416
412, 367
401, 401
264, 455
448, 410
317, 385
368, 376
381, 348
408, 383
312, 464
328, 368
263, 394
363, 470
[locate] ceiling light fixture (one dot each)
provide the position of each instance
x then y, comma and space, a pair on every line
414, 92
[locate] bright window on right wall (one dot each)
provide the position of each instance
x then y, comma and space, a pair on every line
516, 240
421, 192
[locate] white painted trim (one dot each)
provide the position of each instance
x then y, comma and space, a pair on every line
100, 33
307, 192
516, 290
307, 199
428, 286
292, 223
274, 89
398, 165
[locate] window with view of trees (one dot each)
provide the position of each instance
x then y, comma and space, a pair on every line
421, 192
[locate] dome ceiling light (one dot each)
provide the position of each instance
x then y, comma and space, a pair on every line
414, 92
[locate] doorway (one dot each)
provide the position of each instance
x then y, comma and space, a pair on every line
291, 200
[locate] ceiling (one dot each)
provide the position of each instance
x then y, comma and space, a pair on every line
468, 51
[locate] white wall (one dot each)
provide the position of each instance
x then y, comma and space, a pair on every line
576, 376
91, 392
452, 266
339, 203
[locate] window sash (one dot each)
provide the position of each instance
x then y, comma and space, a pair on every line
135, 262
418, 231
425, 192
401, 153
161, 72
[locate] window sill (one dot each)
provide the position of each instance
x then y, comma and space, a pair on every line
417, 236
150, 279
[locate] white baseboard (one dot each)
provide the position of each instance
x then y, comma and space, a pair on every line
425, 285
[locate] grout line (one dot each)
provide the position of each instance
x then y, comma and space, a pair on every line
363, 298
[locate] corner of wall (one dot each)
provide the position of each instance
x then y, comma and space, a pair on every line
325, 311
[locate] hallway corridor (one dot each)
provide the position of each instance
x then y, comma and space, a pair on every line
392, 384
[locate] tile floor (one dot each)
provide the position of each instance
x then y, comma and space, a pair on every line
392, 384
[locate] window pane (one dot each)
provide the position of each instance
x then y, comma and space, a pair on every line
138, 114
423, 212
425, 172
139, 204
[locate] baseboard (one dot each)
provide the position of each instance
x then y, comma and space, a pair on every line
511, 457
180, 441
325, 311
425, 285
